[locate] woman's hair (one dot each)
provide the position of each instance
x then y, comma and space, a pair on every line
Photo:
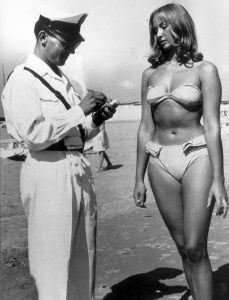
183, 27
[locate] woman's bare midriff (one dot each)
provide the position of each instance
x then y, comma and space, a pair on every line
175, 125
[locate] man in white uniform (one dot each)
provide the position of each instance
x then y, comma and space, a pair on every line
57, 187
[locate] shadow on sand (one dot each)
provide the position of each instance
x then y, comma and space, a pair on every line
114, 167
146, 286
221, 283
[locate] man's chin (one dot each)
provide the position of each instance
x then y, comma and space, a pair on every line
61, 63
62, 60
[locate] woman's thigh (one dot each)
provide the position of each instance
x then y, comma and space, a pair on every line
195, 187
167, 193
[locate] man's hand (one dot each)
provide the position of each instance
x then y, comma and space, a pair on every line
105, 112
92, 102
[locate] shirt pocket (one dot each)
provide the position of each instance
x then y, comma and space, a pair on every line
51, 105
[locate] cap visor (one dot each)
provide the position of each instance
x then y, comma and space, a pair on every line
81, 38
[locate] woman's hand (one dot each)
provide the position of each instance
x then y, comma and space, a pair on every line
218, 193
140, 194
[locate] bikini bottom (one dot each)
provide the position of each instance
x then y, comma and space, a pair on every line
176, 159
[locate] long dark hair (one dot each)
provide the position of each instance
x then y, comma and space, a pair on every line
183, 27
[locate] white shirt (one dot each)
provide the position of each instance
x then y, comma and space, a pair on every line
35, 116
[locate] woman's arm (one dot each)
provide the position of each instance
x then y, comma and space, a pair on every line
211, 94
145, 134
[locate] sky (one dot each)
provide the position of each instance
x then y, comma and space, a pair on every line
116, 46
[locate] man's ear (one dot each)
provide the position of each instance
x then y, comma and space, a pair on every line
43, 37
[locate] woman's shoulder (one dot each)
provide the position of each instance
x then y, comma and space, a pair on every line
206, 67
149, 70
205, 70
147, 73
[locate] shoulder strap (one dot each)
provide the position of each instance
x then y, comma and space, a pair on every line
58, 95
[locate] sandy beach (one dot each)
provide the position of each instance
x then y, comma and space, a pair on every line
136, 258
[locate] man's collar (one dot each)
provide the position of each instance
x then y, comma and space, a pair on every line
39, 66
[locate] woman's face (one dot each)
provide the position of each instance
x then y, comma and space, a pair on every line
165, 35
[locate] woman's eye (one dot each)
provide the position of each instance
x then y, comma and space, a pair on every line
164, 25
155, 30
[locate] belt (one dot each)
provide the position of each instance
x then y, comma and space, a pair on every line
60, 146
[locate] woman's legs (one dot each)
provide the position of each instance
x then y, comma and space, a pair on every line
197, 217
167, 192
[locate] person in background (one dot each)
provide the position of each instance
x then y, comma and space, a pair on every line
44, 111
100, 145
184, 158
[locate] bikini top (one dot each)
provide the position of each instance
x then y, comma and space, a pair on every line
187, 95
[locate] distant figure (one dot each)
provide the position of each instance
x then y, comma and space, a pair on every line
100, 145
184, 157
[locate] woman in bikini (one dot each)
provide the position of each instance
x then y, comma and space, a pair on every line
184, 157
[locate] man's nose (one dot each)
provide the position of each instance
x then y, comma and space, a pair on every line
71, 50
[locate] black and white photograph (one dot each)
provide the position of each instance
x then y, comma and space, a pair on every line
114, 150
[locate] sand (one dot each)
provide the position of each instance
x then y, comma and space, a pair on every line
136, 258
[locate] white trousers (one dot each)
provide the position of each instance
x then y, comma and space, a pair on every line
58, 196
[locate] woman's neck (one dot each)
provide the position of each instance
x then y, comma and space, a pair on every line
170, 57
